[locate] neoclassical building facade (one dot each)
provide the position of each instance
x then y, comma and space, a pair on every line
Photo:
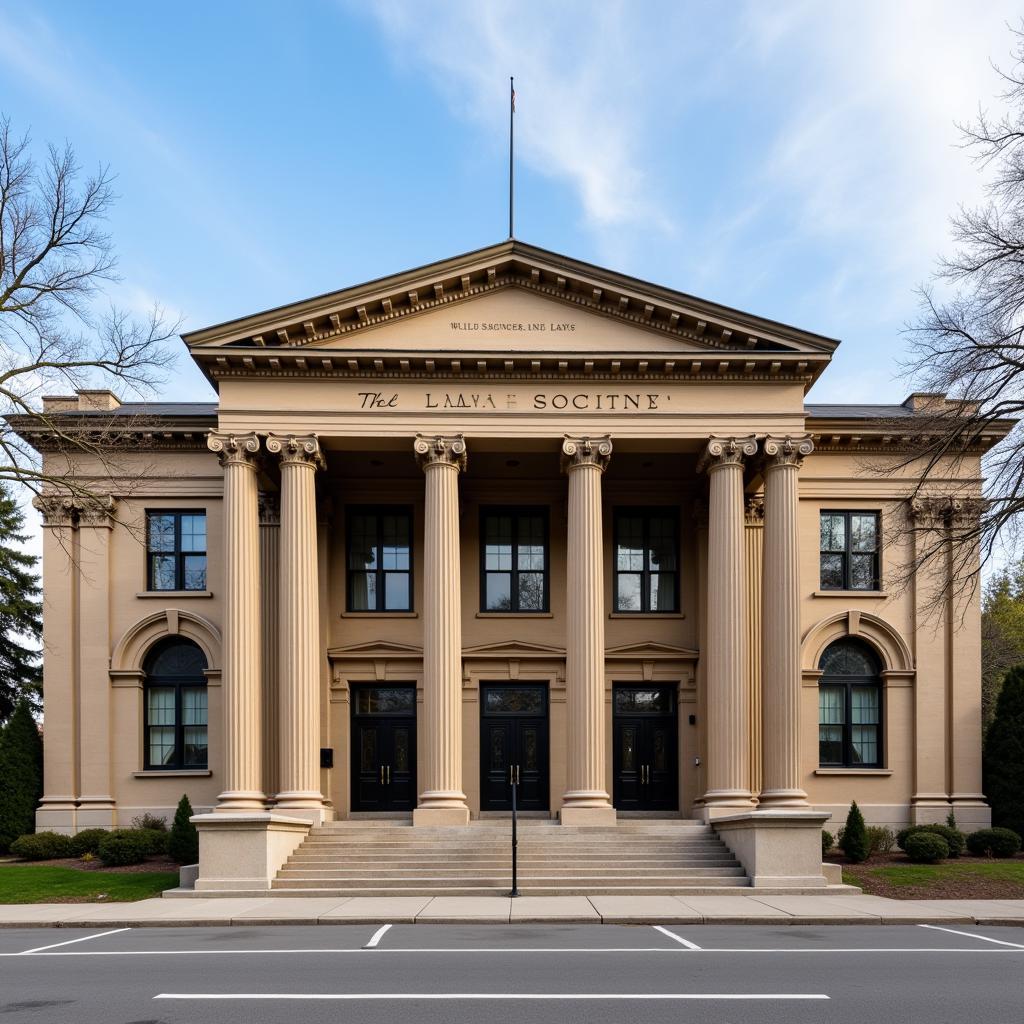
508, 516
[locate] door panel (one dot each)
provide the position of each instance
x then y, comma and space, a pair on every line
383, 748
645, 763
513, 735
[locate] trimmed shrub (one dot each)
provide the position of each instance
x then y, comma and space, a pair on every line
880, 839
827, 842
1004, 755
150, 821
87, 841
156, 840
125, 846
951, 821
855, 836
993, 842
183, 845
42, 846
926, 848
21, 775
955, 839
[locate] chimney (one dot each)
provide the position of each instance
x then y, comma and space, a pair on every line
60, 403
98, 400
925, 401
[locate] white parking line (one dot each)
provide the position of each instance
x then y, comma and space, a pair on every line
971, 935
377, 936
84, 938
678, 938
592, 996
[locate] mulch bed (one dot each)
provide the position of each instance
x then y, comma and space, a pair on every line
955, 887
149, 864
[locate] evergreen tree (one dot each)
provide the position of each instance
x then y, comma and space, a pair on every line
21, 775
183, 845
1004, 755
21, 622
1002, 633
855, 836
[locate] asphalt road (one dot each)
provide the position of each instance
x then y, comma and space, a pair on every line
451, 974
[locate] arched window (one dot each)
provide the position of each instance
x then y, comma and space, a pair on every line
850, 706
175, 701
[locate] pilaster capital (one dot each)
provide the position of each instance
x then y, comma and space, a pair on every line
66, 510
440, 449
790, 450
753, 511
586, 451
726, 451
945, 511
269, 505
296, 449
234, 449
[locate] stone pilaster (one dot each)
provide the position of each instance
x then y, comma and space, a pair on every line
728, 767
241, 676
442, 800
586, 801
299, 614
780, 636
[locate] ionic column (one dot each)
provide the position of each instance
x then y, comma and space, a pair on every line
442, 801
270, 579
299, 617
728, 758
586, 801
780, 635
241, 675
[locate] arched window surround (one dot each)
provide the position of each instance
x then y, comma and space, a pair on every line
850, 706
175, 707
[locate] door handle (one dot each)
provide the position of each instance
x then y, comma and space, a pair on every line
389, 774
382, 775
517, 775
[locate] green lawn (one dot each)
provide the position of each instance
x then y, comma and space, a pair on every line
38, 883
949, 872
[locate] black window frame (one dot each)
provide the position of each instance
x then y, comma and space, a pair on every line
647, 512
515, 512
379, 512
876, 576
178, 553
848, 684
178, 683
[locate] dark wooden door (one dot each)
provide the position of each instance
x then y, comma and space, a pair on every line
383, 748
514, 739
645, 762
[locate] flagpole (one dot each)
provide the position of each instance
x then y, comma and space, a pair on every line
511, 144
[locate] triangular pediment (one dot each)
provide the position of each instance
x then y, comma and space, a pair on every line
376, 649
651, 649
514, 649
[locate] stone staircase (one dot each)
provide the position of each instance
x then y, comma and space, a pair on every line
390, 858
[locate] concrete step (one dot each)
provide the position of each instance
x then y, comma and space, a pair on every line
460, 872
694, 887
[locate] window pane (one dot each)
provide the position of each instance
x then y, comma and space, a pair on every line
362, 591
195, 746
385, 700
193, 533
864, 532
833, 531
161, 746
634, 700
864, 705
195, 572
162, 573
178, 657
395, 550
831, 700
862, 572
531, 592
830, 744
193, 705
499, 592
662, 550
630, 544
498, 543
831, 572
628, 597
663, 592
362, 552
848, 657
368, 750
514, 700
864, 739
161, 533
396, 591
160, 705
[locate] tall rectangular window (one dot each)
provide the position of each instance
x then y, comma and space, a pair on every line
379, 560
514, 560
176, 550
646, 565
849, 551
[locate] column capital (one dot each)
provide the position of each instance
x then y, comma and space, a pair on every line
76, 510
440, 449
586, 451
789, 450
234, 449
296, 449
726, 451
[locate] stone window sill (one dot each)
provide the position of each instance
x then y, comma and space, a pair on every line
379, 615
515, 615
175, 593
647, 615
853, 771
851, 593
173, 773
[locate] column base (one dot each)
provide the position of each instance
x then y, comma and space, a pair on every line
717, 802
306, 804
585, 817
96, 812
440, 816
771, 798
250, 801
57, 814
929, 808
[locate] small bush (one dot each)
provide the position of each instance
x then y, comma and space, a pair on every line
87, 841
926, 848
125, 846
156, 840
827, 842
855, 836
880, 839
951, 821
42, 846
955, 839
183, 845
152, 822
986, 842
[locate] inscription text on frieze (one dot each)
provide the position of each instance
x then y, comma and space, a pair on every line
540, 401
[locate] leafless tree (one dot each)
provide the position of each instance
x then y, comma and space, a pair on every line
55, 258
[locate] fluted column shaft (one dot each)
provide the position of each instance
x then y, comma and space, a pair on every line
728, 768
241, 675
299, 614
586, 801
780, 636
442, 800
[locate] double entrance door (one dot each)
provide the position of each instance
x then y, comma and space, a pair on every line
514, 744
645, 754
383, 747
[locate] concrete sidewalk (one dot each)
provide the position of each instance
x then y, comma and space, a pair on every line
745, 909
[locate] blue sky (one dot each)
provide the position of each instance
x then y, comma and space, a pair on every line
796, 160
